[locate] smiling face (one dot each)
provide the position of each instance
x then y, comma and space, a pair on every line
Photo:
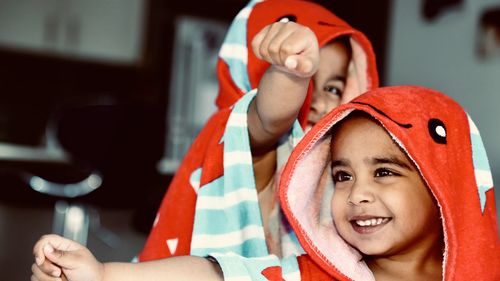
329, 80
380, 204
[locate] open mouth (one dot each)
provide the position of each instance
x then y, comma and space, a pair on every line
369, 225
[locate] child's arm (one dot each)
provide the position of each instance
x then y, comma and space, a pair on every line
292, 50
77, 263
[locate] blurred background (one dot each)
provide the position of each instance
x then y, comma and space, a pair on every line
99, 100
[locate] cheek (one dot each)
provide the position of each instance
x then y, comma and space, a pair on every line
399, 204
338, 205
429, 209
411, 208
350, 92
332, 102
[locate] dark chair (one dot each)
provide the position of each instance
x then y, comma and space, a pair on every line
69, 178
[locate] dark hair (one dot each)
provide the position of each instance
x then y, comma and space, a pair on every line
355, 113
344, 40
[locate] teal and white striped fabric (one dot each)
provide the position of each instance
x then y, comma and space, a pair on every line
238, 268
484, 179
228, 223
234, 50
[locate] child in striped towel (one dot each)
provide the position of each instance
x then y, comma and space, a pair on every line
222, 201
413, 200
222, 196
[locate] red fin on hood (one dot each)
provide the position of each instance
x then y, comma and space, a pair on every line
273, 273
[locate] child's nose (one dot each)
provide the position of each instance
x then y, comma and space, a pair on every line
318, 105
360, 194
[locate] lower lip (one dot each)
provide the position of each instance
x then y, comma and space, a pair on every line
367, 229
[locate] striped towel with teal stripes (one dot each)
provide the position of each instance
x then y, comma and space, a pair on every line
228, 223
482, 169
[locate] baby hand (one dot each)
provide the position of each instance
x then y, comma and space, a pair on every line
58, 258
289, 46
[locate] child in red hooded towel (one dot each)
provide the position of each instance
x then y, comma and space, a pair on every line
222, 198
412, 200
283, 65
412, 196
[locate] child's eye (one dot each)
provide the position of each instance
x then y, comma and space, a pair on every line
333, 90
341, 176
382, 172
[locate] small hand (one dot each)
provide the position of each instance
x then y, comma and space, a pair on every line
46, 271
58, 258
290, 47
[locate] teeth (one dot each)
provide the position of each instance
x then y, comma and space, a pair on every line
371, 222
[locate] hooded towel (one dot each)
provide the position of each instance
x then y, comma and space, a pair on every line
211, 205
445, 146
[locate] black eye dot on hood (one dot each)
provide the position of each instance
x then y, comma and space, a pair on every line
437, 130
287, 18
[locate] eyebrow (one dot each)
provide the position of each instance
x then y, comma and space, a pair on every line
391, 160
338, 77
340, 162
375, 160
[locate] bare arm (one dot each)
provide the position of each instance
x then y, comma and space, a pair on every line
60, 258
175, 268
276, 106
292, 50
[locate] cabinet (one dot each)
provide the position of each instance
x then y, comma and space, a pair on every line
194, 84
101, 30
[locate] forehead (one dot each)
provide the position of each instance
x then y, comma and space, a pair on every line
336, 47
360, 133
357, 124
334, 61
334, 53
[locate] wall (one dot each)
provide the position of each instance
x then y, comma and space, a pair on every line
441, 54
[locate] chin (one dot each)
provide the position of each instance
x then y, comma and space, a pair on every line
372, 250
